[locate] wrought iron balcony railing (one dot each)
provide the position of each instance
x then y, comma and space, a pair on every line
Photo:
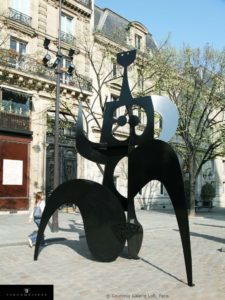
13, 121
19, 17
28, 65
67, 38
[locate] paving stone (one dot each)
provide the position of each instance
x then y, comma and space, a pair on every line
158, 274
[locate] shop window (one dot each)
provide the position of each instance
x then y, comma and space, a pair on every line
15, 102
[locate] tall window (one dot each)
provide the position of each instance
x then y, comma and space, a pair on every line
64, 76
18, 46
67, 24
21, 6
223, 167
114, 68
114, 98
67, 29
137, 41
142, 116
140, 82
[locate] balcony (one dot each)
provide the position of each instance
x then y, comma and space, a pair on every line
67, 38
19, 17
80, 81
30, 66
11, 121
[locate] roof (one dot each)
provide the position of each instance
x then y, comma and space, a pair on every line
116, 28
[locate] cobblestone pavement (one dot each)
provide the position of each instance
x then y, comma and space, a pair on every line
158, 274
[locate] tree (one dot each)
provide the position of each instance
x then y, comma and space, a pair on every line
195, 82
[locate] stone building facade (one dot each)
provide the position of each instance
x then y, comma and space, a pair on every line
27, 95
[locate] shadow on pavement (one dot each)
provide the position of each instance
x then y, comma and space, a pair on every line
210, 225
215, 214
206, 236
79, 246
161, 270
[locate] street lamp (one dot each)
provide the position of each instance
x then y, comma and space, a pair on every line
46, 59
55, 222
57, 65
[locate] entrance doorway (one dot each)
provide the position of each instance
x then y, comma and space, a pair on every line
67, 155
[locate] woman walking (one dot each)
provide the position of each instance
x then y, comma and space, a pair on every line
36, 215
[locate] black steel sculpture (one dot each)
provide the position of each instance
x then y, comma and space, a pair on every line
102, 207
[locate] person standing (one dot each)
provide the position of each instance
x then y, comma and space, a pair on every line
36, 215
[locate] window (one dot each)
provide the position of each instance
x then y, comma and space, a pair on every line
67, 29
140, 81
87, 64
137, 41
65, 78
114, 98
67, 24
114, 68
223, 187
15, 102
18, 46
223, 167
142, 116
21, 6
21, 48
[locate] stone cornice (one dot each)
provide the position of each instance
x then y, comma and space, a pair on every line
34, 82
20, 27
75, 6
105, 41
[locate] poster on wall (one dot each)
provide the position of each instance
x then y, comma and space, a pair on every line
12, 172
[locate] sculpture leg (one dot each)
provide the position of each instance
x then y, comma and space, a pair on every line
101, 211
160, 162
176, 192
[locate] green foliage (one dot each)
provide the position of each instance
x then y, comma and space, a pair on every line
194, 80
208, 191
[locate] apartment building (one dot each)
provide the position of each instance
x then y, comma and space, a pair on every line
27, 95
90, 38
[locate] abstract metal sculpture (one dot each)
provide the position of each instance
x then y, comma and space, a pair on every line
102, 207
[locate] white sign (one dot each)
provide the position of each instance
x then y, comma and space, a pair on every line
12, 172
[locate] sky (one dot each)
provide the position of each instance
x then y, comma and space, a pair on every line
187, 22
